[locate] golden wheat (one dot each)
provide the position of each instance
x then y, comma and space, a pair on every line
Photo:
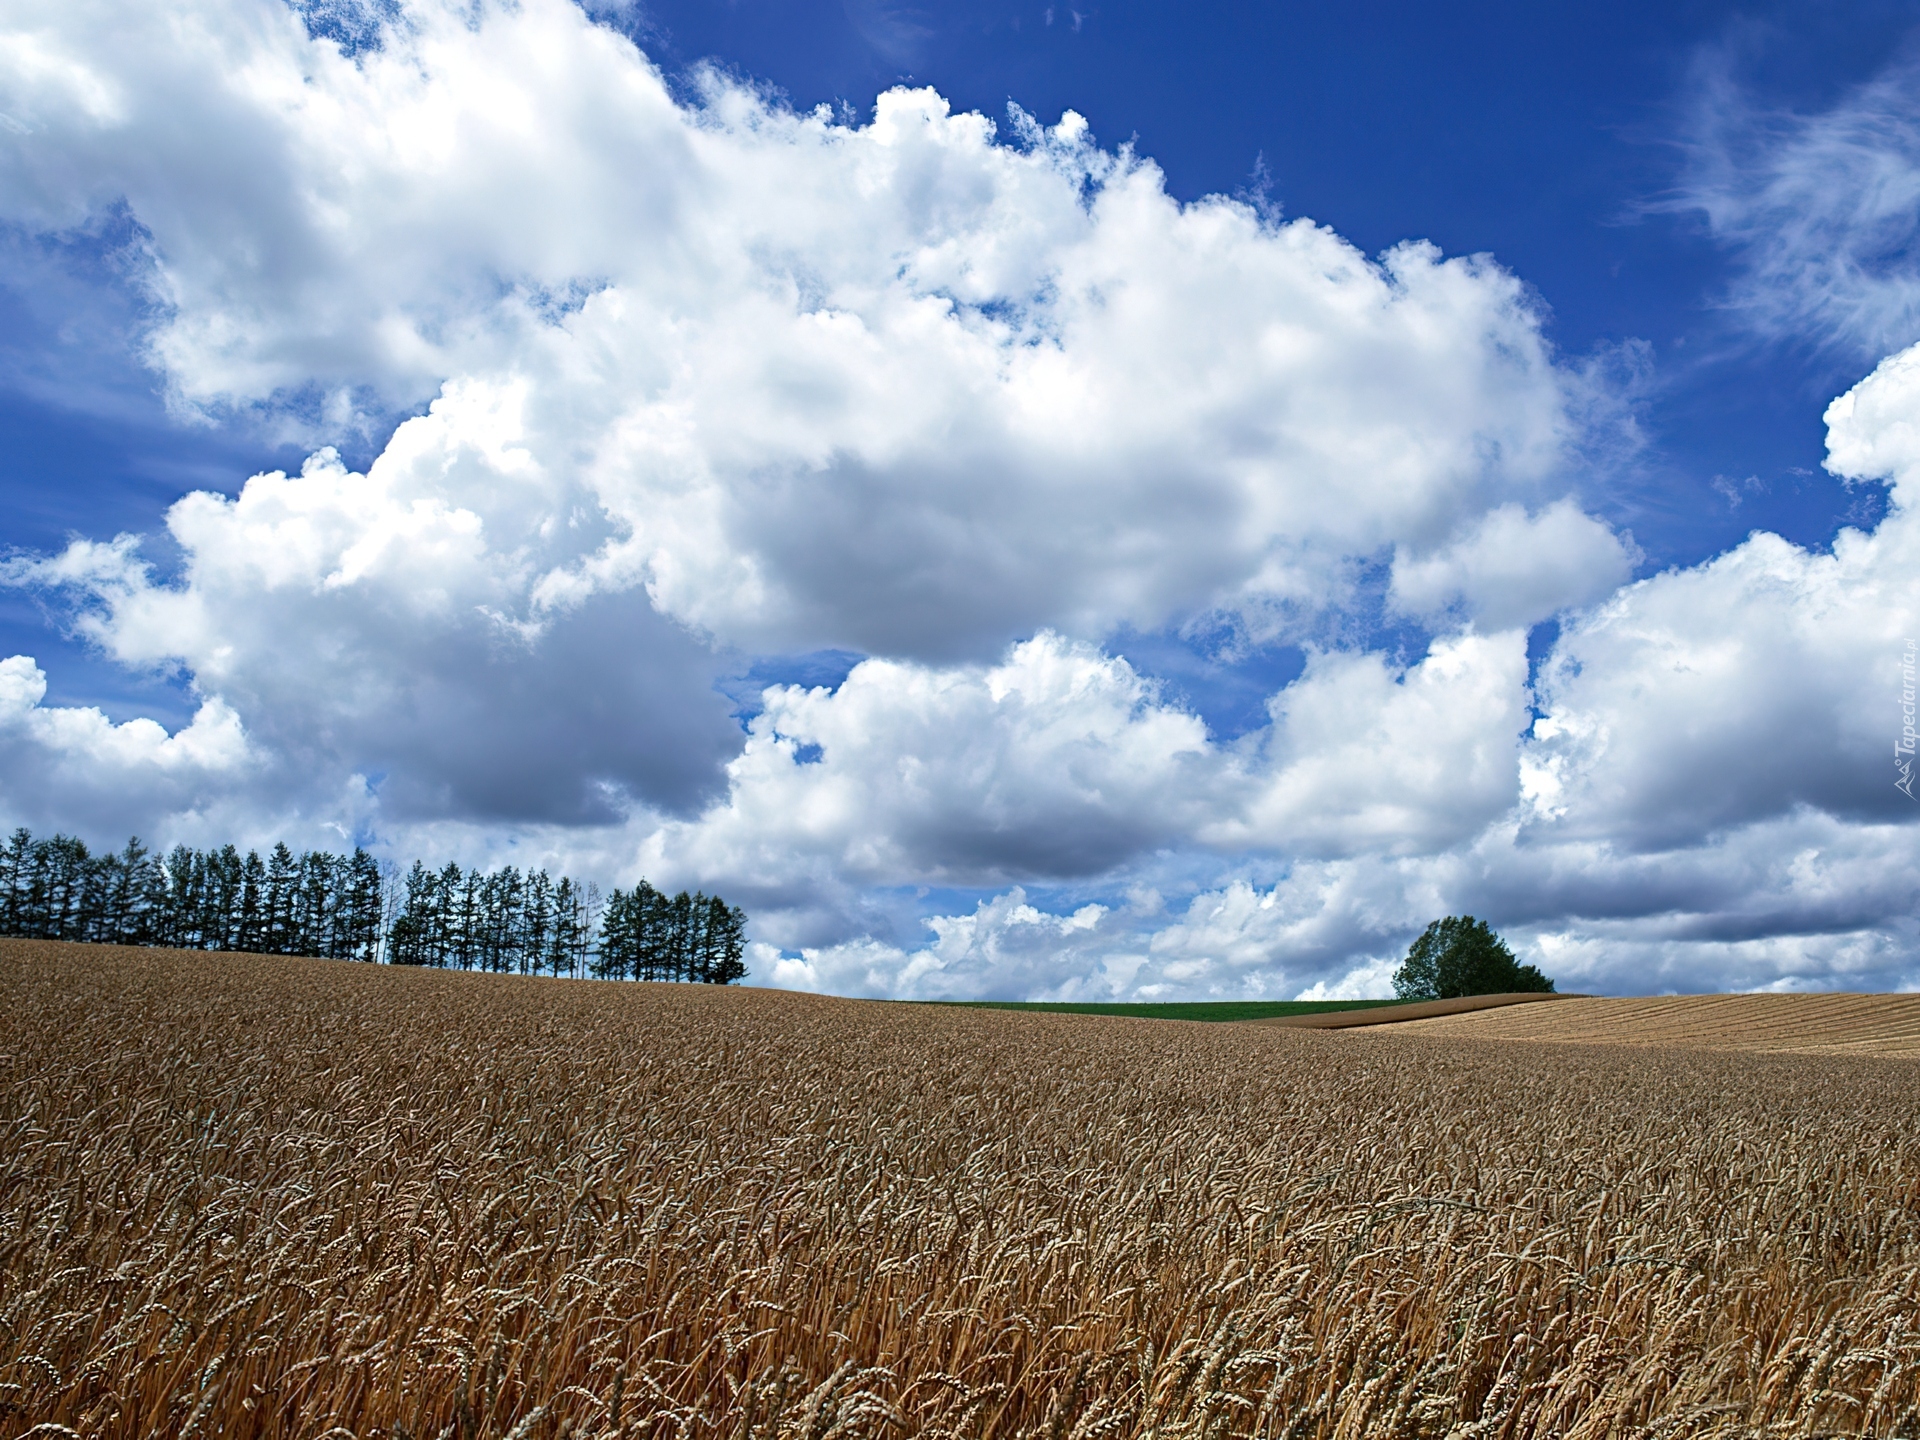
249, 1196
1788, 1024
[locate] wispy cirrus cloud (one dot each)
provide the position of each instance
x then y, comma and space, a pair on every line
1820, 209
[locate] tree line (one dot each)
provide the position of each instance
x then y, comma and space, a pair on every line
645, 935
497, 920
352, 907
312, 904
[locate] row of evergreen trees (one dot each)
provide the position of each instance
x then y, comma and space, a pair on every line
351, 907
496, 920
646, 935
313, 904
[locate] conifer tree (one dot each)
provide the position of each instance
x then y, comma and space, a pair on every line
277, 901
251, 927
13, 879
130, 898
536, 921
411, 939
652, 945
360, 938
566, 935
725, 943
616, 954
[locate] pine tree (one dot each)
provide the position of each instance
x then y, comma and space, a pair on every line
59, 880
696, 941
251, 930
360, 939
679, 926
614, 956
725, 941
227, 880
503, 921
568, 933
277, 901
656, 933
463, 915
536, 919
14, 859
86, 884
409, 942
93, 919
133, 897
312, 894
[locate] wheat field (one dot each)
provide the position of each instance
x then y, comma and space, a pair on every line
248, 1196
1786, 1024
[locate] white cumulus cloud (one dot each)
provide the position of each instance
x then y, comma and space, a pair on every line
1361, 757
1757, 682
1511, 568
72, 764
909, 387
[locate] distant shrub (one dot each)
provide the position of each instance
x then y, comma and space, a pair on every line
1462, 956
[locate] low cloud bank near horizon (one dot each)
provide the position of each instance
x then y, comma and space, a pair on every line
698, 385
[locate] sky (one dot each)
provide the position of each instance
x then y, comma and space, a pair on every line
1116, 502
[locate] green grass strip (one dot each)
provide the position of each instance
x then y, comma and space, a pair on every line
1210, 1010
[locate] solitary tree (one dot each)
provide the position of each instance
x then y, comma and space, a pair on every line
1462, 956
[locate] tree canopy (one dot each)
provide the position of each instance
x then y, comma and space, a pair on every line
1462, 956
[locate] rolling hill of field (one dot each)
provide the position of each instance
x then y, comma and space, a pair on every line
1353, 1015
1883, 1025
288, 1199
1209, 1011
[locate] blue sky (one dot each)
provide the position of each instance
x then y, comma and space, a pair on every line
1700, 222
